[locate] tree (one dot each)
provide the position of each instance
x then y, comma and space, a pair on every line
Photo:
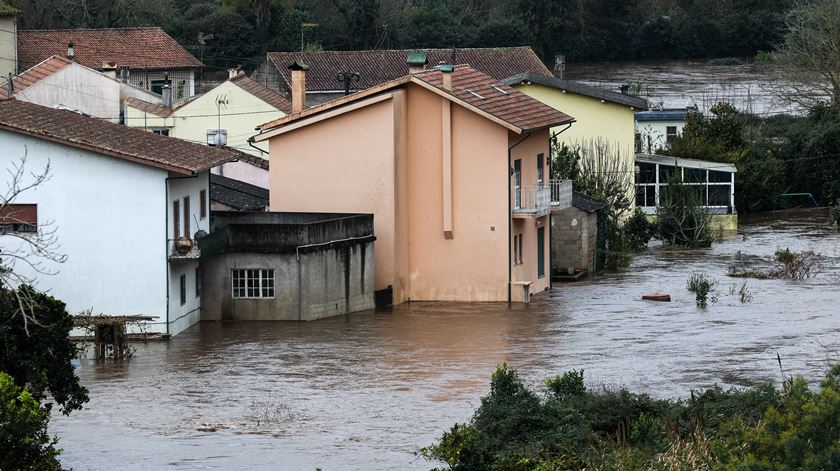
35, 348
434, 27
809, 57
24, 440
680, 218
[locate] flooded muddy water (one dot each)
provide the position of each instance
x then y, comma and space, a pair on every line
682, 83
366, 391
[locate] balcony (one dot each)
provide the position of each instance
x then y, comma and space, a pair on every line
561, 194
182, 249
531, 202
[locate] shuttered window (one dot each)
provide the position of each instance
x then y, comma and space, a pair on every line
176, 219
187, 231
202, 201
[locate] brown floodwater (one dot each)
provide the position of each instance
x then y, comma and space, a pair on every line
367, 390
682, 83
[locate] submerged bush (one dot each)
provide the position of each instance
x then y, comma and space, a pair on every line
701, 285
576, 428
639, 230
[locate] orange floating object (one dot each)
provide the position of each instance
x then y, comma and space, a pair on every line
657, 297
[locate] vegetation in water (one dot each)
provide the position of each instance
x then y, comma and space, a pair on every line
572, 427
25, 442
787, 264
701, 285
681, 220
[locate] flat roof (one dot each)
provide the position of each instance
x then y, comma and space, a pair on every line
685, 163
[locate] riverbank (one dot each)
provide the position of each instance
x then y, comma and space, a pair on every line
366, 391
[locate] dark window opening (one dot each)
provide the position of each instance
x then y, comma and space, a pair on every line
19, 218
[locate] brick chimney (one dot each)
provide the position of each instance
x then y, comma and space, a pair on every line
298, 69
416, 62
446, 76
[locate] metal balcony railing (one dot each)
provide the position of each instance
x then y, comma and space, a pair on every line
532, 201
561, 194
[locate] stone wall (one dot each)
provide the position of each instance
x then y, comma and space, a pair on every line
573, 240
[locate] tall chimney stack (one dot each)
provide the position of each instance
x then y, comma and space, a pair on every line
167, 96
559, 66
71, 51
298, 69
446, 72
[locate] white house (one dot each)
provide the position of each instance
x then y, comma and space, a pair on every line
656, 128
58, 82
118, 199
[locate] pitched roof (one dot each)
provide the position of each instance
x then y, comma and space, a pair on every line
380, 66
7, 10
34, 74
151, 108
262, 92
586, 203
578, 88
470, 88
237, 194
138, 48
103, 137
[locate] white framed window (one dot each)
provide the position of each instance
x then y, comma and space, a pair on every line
252, 283
161, 131
217, 137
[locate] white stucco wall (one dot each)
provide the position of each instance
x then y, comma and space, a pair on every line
79, 88
8, 46
184, 315
244, 172
655, 132
109, 219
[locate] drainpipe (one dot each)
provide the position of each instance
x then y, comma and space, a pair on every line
251, 143
510, 216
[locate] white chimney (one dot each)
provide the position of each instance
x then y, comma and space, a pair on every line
71, 51
167, 96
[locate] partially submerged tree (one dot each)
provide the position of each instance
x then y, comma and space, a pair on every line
681, 219
809, 57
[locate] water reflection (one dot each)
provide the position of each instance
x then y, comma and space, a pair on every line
365, 391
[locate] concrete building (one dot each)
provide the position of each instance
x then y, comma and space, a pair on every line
365, 69
58, 82
8, 39
714, 183
149, 56
574, 237
223, 116
451, 163
656, 128
286, 266
124, 206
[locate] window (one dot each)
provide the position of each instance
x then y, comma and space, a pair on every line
540, 252
638, 142
187, 230
183, 289
516, 249
520, 249
670, 133
176, 220
197, 282
161, 131
252, 283
157, 85
540, 158
202, 204
217, 137
19, 218
517, 183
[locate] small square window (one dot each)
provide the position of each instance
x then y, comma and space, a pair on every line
161, 131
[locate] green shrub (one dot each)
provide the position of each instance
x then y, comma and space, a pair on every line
24, 440
639, 230
568, 384
701, 285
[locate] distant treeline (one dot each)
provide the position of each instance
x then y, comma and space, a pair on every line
582, 30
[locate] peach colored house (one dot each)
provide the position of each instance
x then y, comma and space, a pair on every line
454, 167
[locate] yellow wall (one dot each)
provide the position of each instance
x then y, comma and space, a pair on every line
594, 120
191, 121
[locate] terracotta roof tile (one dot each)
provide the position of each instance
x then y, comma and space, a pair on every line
137, 48
35, 74
380, 66
151, 108
469, 86
95, 135
264, 93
